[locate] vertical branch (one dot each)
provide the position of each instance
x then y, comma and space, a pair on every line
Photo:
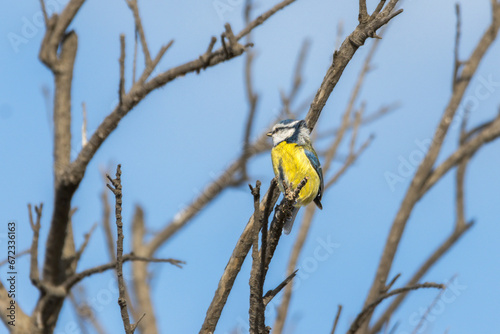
116, 188
363, 12
106, 224
121, 86
256, 311
44, 12
134, 66
58, 52
62, 104
339, 310
234, 264
456, 60
35, 226
140, 275
460, 176
282, 310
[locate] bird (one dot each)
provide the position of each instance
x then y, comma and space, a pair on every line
294, 159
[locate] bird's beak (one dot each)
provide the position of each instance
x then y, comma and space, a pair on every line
269, 134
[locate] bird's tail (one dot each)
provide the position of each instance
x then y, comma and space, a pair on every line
289, 222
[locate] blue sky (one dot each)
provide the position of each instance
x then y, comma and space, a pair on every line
174, 142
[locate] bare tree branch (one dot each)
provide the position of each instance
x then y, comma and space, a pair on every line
142, 88
106, 223
84, 312
44, 12
466, 150
460, 228
424, 177
235, 262
23, 322
262, 18
132, 4
364, 314
256, 310
121, 86
431, 306
18, 255
272, 293
57, 52
71, 281
339, 310
115, 186
35, 226
456, 59
342, 57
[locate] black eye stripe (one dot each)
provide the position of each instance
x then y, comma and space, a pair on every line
283, 128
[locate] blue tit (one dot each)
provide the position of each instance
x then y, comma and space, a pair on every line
294, 159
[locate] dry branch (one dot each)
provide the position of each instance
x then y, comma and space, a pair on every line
58, 52
115, 186
71, 281
235, 262
35, 226
342, 57
336, 321
460, 228
364, 314
272, 293
425, 176
256, 310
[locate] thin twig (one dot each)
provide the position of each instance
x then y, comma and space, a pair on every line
272, 293
339, 310
363, 315
262, 18
256, 282
121, 87
86, 240
18, 255
134, 64
35, 226
139, 28
83, 310
343, 56
417, 276
106, 224
115, 186
236, 261
431, 306
456, 60
44, 12
71, 281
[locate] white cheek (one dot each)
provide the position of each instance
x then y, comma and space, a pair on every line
282, 135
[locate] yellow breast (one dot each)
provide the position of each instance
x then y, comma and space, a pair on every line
291, 163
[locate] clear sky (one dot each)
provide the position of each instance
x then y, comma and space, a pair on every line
174, 142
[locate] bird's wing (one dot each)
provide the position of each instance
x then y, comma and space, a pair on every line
313, 158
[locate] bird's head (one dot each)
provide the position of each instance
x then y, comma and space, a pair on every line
291, 131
